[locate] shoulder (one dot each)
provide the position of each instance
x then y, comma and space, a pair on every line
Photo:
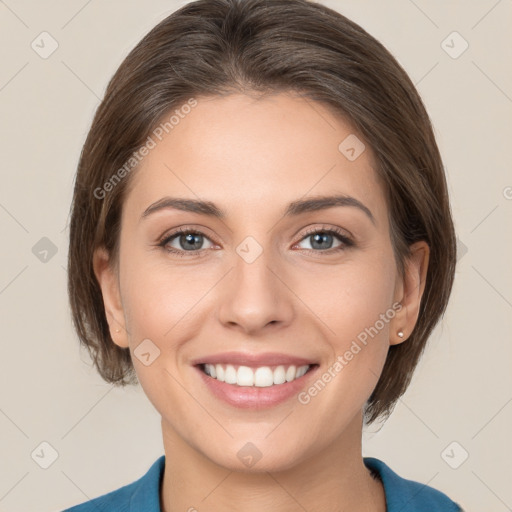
403, 494
143, 494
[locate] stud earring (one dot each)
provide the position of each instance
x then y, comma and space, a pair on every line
400, 334
118, 330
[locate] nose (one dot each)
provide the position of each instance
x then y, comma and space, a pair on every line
255, 296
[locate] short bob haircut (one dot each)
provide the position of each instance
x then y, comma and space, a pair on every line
219, 47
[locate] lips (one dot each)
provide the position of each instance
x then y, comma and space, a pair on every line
254, 381
255, 397
270, 359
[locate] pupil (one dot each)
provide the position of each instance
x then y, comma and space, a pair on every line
319, 238
191, 238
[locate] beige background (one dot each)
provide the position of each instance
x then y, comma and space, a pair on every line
107, 437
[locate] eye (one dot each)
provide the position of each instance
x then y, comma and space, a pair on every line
190, 242
323, 239
185, 240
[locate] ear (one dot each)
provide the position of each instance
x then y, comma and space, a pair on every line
409, 292
109, 283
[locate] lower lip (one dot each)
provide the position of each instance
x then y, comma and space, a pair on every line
252, 397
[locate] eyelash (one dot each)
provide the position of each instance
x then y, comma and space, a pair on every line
346, 242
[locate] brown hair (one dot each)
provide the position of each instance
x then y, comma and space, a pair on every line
219, 47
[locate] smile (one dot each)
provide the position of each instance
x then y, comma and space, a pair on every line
262, 376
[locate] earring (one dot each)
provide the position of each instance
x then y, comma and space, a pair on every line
118, 330
400, 334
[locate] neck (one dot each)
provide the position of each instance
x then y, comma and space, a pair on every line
331, 480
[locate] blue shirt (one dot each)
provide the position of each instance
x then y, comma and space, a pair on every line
143, 495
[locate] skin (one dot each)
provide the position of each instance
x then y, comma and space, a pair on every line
252, 158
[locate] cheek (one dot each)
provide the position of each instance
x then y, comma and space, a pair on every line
355, 305
158, 298
161, 305
356, 315
352, 297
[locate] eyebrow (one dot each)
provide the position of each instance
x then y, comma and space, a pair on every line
294, 208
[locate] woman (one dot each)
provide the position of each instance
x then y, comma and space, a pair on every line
261, 236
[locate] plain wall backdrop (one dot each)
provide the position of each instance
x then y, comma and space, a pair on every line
451, 430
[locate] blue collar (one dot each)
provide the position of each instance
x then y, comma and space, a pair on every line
407, 495
402, 495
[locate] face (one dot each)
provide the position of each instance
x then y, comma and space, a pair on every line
262, 279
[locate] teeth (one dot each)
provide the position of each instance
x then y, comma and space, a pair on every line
279, 375
245, 376
230, 375
261, 377
301, 371
291, 373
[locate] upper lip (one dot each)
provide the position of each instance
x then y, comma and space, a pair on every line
246, 359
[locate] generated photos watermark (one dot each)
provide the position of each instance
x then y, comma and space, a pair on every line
156, 136
305, 397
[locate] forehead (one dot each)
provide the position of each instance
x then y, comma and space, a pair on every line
244, 153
